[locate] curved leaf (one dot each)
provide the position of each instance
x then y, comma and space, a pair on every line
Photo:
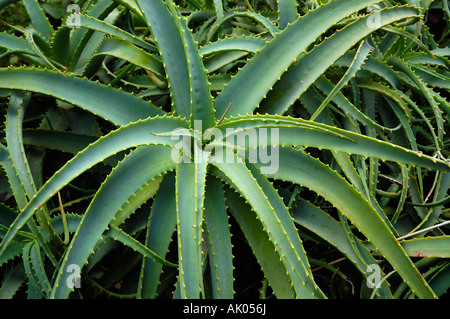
298, 167
428, 247
161, 226
262, 246
260, 74
114, 192
190, 204
125, 51
312, 65
219, 240
278, 224
169, 38
132, 135
122, 108
299, 132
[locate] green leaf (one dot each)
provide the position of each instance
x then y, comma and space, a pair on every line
322, 224
61, 46
298, 167
111, 104
260, 74
14, 121
363, 51
58, 140
314, 63
38, 18
113, 193
287, 12
299, 132
126, 137
427, 247
84, 42
161, 226
92, 23
13, 278
126, 51
201, 99
427, 93
190, 204
440, 281
277, 224
14, 43
134, 244
238, 43
219, 240
262, 247
167, 31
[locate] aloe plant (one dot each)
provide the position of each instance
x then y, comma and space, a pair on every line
185, 125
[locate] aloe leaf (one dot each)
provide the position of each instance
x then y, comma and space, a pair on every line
314, 63
170, 41
218, 240
14, 250
219, 12
361, 54
126, 137
132, 5
401, 99
125, 51
61, 46
300, 132
114, 192
13, 179
410, 37
21, 200
13, 279
14, 120
441, 51
161, 226
427, 247
298, 167
201, 99
19, 161
324, 85
274, 223
190, 204
418, 58
238, 43
14, 43
286, 220
262, 247
58, 140
34, 287
440, 281
432, 77
37, 265
80, 37
440, 196
134, 244
273, 30
426, 92
322, 224
122, 108
64, 141
222, 60
92, 23
287, 12
38, 18
264, 69
373, 65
